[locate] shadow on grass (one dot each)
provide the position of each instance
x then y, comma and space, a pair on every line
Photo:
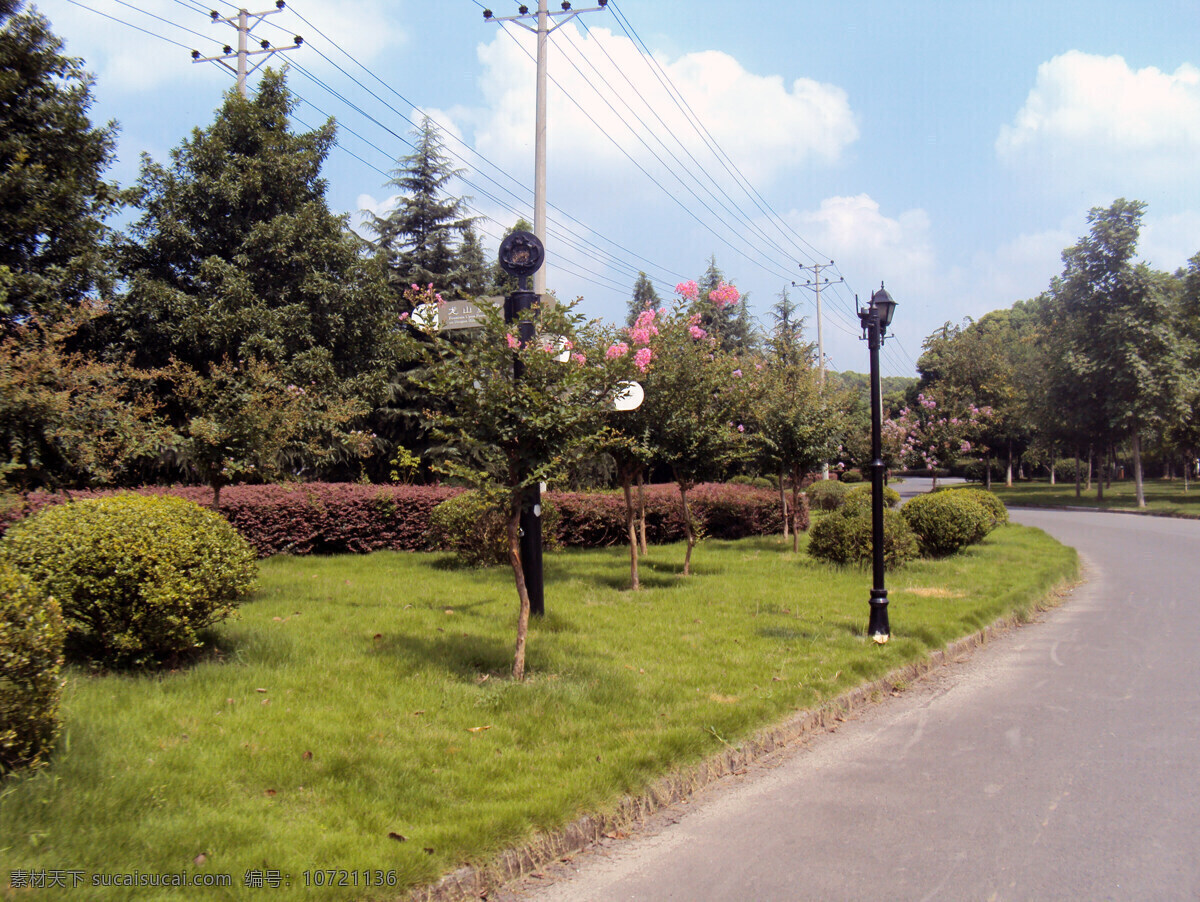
466, 656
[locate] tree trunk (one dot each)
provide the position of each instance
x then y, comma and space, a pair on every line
631, 530
987, 472
1091, 454
1078, 475
1139, 489
933, 476
1110, 466
687, 529
1187, 472
1008, 473
783, 504
1052, 480
216, 505
1100, 479
795, 508
514, 558
641, 483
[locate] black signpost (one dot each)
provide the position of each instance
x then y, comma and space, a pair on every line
521, 255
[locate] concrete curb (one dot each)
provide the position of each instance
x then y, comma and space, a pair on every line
471, 882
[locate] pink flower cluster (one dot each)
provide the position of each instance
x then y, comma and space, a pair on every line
688, 290
644, 327
640, 333
724, 295
620, 349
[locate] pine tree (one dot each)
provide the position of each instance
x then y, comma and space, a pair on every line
731, 323
786, 341
242, 280
419, 239
54, 198
644, 296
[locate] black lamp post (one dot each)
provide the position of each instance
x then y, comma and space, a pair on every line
521, 255
875, 321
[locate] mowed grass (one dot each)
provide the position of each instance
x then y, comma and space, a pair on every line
359, 715
1163, 496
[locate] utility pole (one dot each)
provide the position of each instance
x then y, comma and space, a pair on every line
543, 29
814, 284
244, 22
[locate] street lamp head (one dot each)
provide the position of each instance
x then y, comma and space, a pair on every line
521, 254
884, 306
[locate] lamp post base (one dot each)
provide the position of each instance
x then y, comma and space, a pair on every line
878, 627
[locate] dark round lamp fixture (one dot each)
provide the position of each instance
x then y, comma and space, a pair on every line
521, 254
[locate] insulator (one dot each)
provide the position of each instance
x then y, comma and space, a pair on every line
195, 54
299, 40
264, 44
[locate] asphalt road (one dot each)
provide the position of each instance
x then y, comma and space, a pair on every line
1061, 761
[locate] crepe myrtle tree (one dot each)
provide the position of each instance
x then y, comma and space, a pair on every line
694, 405
931, 434
504, 434
627, 435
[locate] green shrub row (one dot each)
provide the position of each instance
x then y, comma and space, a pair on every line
934, 525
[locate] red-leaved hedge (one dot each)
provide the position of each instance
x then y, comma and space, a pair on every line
330, 518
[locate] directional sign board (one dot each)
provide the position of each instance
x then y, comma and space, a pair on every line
454, 315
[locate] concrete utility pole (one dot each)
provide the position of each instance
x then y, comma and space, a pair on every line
244, 22
542, 30
814, 284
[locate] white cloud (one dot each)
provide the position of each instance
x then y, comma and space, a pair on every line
862, 239
124, 59
1092, 119
1168, 242
765, 125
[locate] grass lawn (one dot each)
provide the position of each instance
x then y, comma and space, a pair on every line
1162, 496
358, 715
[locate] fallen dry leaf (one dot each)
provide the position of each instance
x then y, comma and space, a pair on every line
397, 837
417, 713
478, 729
260, 690
271, 792
200, 859
428, 851
307, 756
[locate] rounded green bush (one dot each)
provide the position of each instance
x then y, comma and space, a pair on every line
946, 522
991, 503
850, 476
477, 532
137, 576
826, 494
847, 538
31, 655
858, 499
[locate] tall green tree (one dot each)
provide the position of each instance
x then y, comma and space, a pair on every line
1121, 336
237, 258
420, 239
53, 197
644, 296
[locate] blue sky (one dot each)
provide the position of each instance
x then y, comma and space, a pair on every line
950, 149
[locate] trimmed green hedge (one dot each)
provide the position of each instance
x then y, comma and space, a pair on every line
946, 522
31, 655
137, 577
846, 537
